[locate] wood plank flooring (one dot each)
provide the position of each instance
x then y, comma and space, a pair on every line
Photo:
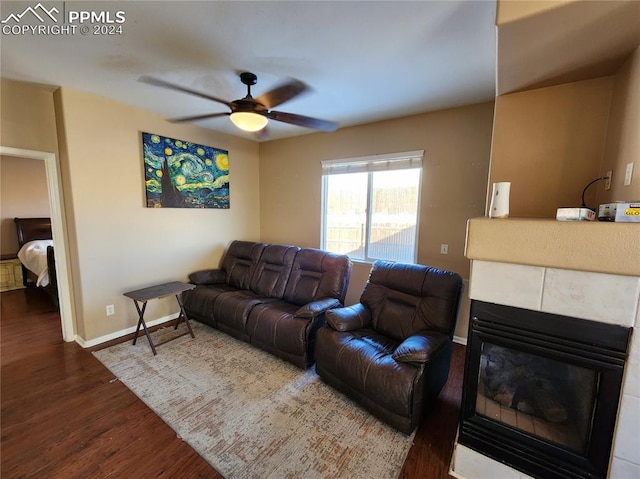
64, 416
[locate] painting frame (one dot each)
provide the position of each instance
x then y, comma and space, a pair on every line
183, 174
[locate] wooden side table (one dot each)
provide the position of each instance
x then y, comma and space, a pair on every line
141, 296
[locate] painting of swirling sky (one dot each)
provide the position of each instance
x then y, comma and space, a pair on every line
180, 174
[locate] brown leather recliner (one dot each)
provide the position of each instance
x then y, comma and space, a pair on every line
391, 351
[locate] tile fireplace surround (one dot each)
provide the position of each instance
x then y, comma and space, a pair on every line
587, 270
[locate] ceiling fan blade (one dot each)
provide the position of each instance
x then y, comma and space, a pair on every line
172, 86
283, 93
305, 121
197, 117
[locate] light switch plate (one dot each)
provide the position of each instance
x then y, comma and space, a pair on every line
628, 174
607, 182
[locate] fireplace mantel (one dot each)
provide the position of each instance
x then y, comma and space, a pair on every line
600, 247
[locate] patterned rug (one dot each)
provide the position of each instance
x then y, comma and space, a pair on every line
251, 415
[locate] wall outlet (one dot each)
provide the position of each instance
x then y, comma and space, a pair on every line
607, 182
628, 174
444, 248
111, 310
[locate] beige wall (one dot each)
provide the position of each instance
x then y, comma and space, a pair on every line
27, 117
457, 145
545, 43
23, 193
623, 134
510, 10
549, 144
117, 243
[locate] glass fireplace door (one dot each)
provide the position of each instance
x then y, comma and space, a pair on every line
543, 397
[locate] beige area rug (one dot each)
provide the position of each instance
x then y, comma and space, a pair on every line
251, 415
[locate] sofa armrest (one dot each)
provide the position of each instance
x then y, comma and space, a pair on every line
313, 309
420, 348
350, 318
207, 276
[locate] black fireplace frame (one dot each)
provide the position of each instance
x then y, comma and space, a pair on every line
600, 347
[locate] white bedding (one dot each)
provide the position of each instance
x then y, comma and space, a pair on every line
33, 256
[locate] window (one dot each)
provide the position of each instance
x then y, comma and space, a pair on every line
370, 206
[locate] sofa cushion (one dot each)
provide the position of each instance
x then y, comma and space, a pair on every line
231, 311
199, 301
405, 299
317, 274
363, 359
240, 261
274, 324
272, 271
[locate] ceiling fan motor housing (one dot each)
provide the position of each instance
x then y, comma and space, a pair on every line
248, 78
248, 104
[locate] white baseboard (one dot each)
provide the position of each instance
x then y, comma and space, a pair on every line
118, 334
460, 340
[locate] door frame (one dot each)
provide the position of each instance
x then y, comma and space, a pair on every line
58, 229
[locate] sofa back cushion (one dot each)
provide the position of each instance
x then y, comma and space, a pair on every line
405, 299
272, 272
240, 262
318, 274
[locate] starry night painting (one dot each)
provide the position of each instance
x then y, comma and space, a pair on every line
180, 174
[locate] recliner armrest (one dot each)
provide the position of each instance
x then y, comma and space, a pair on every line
350, 318
420, 348
313, 309
208, 276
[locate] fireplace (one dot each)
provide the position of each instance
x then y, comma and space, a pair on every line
541, 390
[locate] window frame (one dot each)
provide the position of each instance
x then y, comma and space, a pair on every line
371, 165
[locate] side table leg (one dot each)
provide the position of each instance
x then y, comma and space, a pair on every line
183, 315
144, 325
140, 319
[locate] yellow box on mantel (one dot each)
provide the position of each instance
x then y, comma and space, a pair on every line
596, 246
620, 212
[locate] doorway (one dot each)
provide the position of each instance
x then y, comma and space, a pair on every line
58, 229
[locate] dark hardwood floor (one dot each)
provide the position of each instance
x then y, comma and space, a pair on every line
64, 416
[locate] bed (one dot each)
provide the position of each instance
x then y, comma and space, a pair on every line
36, 255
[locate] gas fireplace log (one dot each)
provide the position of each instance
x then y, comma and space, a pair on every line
517, 387
551, 410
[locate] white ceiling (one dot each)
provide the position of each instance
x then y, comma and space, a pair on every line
365, 61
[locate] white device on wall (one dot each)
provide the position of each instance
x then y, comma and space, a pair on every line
500, 200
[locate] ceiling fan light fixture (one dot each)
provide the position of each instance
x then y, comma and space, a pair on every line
248, 121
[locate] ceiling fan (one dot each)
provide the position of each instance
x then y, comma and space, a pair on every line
253, 114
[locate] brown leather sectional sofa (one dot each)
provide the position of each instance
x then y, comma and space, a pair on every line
272, 296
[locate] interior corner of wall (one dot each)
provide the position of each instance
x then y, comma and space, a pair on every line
508, 11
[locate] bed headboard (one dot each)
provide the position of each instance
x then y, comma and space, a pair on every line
30, 229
